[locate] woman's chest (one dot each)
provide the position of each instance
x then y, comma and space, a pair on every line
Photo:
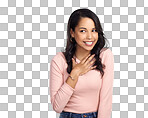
88, 82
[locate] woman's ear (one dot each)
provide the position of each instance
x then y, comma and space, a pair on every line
72, 33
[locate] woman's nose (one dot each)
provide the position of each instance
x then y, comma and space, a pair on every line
89, 35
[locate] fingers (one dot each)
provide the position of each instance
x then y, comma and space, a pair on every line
86, 64
73, 62
91, 64
89, 59
92, 67
84, 59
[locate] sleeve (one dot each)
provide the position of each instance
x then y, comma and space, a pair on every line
59, 93
105, 105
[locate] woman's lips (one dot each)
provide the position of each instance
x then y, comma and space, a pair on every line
88, 43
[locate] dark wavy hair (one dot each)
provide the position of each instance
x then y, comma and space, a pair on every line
71, 43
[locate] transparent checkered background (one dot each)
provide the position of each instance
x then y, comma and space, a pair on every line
33, 31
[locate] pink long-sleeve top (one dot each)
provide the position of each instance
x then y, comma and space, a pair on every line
91, 93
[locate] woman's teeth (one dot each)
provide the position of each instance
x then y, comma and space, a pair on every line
89, 43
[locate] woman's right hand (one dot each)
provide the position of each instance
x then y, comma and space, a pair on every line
85, 65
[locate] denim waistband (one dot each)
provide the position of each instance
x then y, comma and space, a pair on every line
82, 115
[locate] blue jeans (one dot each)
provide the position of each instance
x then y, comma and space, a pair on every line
75, 115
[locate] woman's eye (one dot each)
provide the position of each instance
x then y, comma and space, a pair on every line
82, 31
94, 30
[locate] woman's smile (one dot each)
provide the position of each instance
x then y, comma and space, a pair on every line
89, 43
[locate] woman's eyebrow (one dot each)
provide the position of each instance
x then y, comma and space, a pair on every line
85, 28
82, 28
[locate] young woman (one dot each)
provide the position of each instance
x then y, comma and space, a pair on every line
81, 78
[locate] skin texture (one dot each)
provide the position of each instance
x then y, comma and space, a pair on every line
84, 31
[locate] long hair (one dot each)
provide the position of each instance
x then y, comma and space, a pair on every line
71, 43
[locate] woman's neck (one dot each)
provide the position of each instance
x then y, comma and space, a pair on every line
79, 55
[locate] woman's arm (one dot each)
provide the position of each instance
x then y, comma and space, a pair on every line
105, 106
60, 91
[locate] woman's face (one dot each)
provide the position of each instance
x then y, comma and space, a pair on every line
85, 34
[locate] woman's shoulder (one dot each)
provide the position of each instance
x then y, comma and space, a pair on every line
59, 57
105, 52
